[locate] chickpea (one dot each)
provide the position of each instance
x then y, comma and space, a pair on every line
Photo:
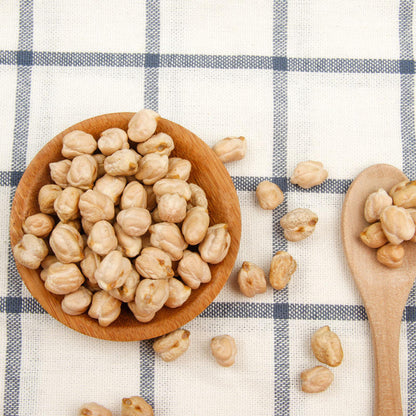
105, 308
77, 143
47, 196
30, 251
39, 225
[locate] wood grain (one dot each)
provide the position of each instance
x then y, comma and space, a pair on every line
207, 171
384, 291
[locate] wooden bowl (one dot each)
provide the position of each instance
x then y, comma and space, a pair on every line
207, 171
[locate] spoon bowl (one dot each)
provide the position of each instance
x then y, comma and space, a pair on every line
384, 291
207, 171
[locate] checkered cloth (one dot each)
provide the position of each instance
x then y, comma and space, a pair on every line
301, 79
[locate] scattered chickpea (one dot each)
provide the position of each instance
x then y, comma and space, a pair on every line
135, 406
224, 350
93, 409
308, 174
231, 149
251, 279
281, 269
326, 347
316, 380
173, 345
269, 195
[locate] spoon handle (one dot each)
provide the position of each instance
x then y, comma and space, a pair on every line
385, 326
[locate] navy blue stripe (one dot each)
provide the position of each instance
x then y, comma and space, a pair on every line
147, 372
152, 58
10, 178
17, 304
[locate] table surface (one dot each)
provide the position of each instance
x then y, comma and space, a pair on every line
301, 80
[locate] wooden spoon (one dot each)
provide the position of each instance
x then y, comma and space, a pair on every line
383, 290
207, 171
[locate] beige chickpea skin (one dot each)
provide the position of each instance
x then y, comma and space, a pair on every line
224, 350
269, 195
198, 196
62, 279
195, 225
171, 346
112, 271
298, 224
178, 293
179, 168
193, 270
83, 172
326, 347
398, 186
405, 195
397, 224
160, 143
168, 237
77, 143
59, 171
67, 244
147, 317
216, 244
130, 246
391, 255
102, 238
40, 225
45, 263
93, 409
111, 140
142, 125
282, 267
99, 158
172, 208
135, 406
95, 206
127, 291
317, 379
134, 221
154, 263
151, 168
66, 204
151, 295
90, 264
30, 251
308, 174
374, 205
373, 235
112, 186
122, 163
105, 308
76, 303
134, 195
172, 186
231, 149
47, 196
251, 279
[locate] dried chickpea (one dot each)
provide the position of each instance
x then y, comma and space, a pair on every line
122, 163
62, 279
134, 195
160, 143
127, 291
179, 168
373, 235
111, 140
251, 279
397, 224
224, 350
72, 223
195, 225
155, 216
113, 271
94, 409
104, 307
66, 204
198, 197
67, 244
95, 206
317, 379
142, 125
405, 196
152, 167
77, 143
231, 149
134, 221
308, 174
281, 269
86, 225
168, 237
374, 205
216, 244
83, 172
138, 315
76, 303
99, 158
399, 186
172, 186
154, 263
30, 251
90, 264
178, 293
269, 195
298, 224
47, 196
59, 171
130, 246
151, 295
102, 238
40, 225
326, 347
112, 186
193, 270
135, 406
47, 261
171, 346
172, 208
391, 255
